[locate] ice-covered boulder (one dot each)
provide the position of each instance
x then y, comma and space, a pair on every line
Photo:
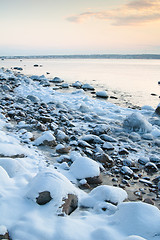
136, 122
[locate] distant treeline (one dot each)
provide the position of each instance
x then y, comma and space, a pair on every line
92, 56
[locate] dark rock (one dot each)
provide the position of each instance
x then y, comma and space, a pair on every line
5, 236
146, 182
103, 158
56, 80
70, 204
45, 119
157, 111
123, 151
18, 68
143, 160
94, 180
43, 198
150, 167
156, 180
126, 171
35, 65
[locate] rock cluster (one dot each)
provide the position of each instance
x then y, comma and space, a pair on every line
111, 151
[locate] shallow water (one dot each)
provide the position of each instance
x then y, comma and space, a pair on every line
131, 80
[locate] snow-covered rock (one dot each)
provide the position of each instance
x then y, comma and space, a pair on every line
87, 86
84, 167
102, 94
104, 193
46, 138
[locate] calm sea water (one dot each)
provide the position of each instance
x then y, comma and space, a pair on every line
132, 81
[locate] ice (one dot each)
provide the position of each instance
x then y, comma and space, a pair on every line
136, 122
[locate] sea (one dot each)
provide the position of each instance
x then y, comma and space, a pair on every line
129, 82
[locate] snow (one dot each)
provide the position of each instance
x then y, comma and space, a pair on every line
104, 193
23, 177
84, 167
3, 230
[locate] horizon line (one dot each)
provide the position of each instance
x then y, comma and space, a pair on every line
114, 55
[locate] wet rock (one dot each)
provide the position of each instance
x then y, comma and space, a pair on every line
43, 198
91, 138
108, 146
135, 137
149, 201
154, 159
5, 87
123, 151
84, 144
150, 167
156, 180
143, 160
95, 180
147, 136
126, 171
105, 159
45, 119
146, 182
107, 138
128, 162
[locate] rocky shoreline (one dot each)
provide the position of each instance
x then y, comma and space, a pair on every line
92, 143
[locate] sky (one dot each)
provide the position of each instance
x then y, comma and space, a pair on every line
42, 27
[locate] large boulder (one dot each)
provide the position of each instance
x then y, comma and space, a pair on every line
51, 187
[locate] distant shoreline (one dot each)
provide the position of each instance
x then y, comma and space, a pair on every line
91, 56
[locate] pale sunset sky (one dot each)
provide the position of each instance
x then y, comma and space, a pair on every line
36, 27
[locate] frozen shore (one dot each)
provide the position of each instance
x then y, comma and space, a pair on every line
73, 167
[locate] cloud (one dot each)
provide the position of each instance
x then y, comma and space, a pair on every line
132, 13
141, 4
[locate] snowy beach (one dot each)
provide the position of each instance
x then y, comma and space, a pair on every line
74, 167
